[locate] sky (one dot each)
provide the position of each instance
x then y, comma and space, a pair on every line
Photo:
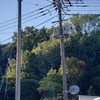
31, 16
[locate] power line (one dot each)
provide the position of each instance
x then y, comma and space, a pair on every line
25, 18
36, 14
44, 14
83, 10
35, 27
24, 22
10, 53
37, 10
8, 28
6, 89
27, 13
31, 3
6, 40
45, 21
46, 7
6, 65
36, 17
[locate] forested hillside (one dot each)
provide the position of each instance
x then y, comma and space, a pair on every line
41, 70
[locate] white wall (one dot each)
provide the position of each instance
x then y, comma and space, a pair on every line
84, 97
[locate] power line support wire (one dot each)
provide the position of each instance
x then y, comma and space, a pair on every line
18, 57
62, 53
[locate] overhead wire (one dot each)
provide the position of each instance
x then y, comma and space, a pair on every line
51, 19
25, 18
45, 21
27, 13
25, 21
6, 85
6, 40
37, 17
34, 26
6, 89
28, 17
10, 53
49, 1
31, 3
4, 76
35, 11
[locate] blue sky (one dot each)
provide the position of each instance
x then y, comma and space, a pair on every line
8, 10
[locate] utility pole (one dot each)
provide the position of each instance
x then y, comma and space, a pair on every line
18, 55
60, 34
61, 38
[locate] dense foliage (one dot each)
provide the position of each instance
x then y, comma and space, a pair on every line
41, 70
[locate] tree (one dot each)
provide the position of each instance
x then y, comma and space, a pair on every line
50, 85
30, 68
31, 37
46, 53
11, 69
74, 70
84, 24
29, 90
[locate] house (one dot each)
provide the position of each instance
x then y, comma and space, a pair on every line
86, 97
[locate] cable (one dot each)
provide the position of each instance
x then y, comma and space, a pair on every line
24, 22
35, 26
27, 21
8, 28
6, 89
86, 10
83, 10
31, 3
25, 18
6, 66
45, 21
37, 17
3, 77
6, 40
1, 83
40, 16
5, 73
49, 1
48, 21
26, 14
83, 6
29, 13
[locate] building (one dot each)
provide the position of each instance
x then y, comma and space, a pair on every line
86, 97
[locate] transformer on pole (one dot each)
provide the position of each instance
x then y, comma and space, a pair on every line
60, 33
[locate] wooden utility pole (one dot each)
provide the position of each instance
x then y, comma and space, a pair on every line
61, 38
18, 55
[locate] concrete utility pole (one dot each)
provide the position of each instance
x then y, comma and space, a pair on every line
61, 38
18, 56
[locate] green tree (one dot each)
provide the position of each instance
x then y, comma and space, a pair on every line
50, 85
74, 70
30, 69
84, 23
31, 37
48, 56
11, 69
29, 90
